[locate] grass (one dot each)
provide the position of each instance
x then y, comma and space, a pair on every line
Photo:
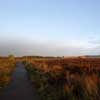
55, 80
6, 68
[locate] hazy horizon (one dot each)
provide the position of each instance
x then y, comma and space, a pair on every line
49, 27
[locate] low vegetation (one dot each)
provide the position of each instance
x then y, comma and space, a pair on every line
66, 79
7, 65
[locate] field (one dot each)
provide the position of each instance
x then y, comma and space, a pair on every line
66, 78
7, 65
75, 78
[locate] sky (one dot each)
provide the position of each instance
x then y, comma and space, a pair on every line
50, 27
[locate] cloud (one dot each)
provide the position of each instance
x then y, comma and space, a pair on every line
94, 42
94, 47
20, 48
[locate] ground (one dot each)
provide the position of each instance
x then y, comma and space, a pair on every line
20, 87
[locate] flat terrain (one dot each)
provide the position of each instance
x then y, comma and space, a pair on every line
20, 87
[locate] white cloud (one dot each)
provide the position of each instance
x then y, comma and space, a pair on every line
45, 49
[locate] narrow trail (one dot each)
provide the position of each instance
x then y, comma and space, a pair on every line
20, 88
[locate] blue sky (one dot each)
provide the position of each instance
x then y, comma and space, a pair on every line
49, 27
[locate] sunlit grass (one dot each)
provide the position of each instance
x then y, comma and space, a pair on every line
70, 80
6, 68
